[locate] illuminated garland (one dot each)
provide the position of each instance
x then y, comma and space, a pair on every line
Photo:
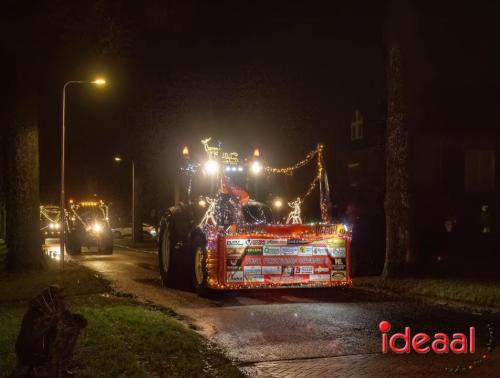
321, 179
300, 164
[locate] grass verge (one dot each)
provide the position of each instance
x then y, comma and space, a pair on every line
123, 337
477, 293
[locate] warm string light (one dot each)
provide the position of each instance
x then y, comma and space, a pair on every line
320, 179
300, 164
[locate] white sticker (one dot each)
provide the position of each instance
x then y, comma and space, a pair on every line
337, 251
304, 270
252, 269
276, 241
289, 251
319, 277
235, 276
256, 278
256, 242
273, 251
319, 251
305, 251
236, 243
271, 269
321, 269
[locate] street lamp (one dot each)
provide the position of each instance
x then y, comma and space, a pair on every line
119, 159
99, 82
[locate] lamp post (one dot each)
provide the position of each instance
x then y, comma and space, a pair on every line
119, 159
256, 169
63, 157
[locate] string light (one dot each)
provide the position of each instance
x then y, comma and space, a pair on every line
300, 164
320, 178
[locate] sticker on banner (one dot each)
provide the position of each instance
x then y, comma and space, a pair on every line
289, 251
319, 277
305, 251
272, 251
271, 269
235, 276
319, 251
339, 276
255, 278
304, 270
275, 241
321, 269
253, 251
236, 243
249, 270
235, 252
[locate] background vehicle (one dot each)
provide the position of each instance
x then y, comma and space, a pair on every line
147, 230
50, 222
88, 225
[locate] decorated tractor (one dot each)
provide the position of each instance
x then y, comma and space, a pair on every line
50, 222
228, 241
87, 224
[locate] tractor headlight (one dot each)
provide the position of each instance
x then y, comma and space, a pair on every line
97, 227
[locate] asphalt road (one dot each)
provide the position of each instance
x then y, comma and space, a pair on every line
258, 327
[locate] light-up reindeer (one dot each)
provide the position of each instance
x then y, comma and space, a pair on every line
212, 152
294, 216
210, 214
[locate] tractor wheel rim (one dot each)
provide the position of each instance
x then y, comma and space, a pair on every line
198, 266
165, 251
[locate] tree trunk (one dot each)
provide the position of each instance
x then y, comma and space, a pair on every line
399, 249
22, 186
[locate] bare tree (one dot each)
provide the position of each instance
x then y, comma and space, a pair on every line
398, 201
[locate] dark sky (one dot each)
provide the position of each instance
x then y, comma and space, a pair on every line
280, 75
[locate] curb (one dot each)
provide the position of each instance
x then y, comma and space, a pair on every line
449, 303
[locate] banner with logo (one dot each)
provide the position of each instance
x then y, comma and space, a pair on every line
285, 261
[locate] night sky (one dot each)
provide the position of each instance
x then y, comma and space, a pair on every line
278, 75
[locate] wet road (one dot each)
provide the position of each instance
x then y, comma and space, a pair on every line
257, 326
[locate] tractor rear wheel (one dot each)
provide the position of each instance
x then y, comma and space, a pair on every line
165, 254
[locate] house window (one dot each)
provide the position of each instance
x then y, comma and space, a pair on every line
479, 170
357, 126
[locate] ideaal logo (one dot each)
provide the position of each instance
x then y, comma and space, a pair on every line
422, 343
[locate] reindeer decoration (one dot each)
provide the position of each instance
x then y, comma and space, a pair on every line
294, 216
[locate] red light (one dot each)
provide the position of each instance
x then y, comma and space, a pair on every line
256, 153
185, 151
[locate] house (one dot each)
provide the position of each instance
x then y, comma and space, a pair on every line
454, 188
